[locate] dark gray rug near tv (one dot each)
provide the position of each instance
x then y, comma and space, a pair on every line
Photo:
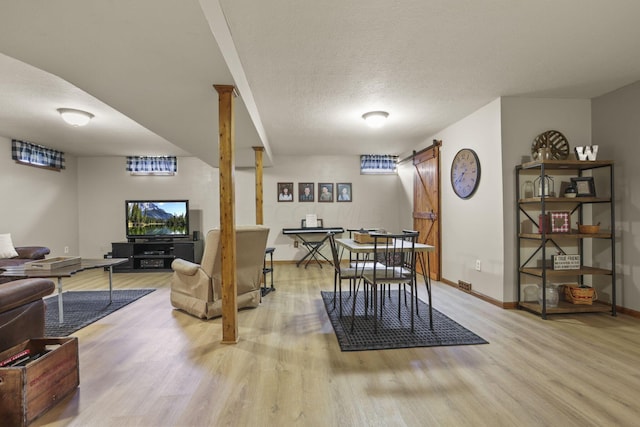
393, 332
81, 308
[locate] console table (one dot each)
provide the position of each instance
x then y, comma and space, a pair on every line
311, 241
155, 255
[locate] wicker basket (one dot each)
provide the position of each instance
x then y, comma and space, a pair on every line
588, 229
577, 295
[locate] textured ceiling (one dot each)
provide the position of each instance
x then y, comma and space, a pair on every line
306, 71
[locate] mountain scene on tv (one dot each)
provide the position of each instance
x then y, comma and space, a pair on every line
156, 219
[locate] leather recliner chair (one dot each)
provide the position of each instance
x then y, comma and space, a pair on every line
197, 288
22, 310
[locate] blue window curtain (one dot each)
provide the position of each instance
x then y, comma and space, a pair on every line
148, 165
378, 164
36, 155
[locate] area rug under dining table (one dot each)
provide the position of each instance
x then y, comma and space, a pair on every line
393, 332
81, 308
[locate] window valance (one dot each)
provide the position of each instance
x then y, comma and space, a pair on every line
152, 165
36, 155
378, 164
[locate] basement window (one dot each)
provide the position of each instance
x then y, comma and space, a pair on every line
378, 164
27, 153
152, 165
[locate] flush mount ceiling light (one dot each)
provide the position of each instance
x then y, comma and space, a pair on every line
375, 119
75, 117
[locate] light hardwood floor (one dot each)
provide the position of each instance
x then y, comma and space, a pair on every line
150, 365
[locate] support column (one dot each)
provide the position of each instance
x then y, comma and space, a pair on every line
226, 124
259, 185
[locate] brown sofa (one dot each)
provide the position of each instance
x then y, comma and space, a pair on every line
25, 253
22, 310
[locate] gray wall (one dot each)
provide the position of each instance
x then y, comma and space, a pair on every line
616, 130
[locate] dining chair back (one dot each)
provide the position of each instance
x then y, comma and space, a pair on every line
395, 258
340, 273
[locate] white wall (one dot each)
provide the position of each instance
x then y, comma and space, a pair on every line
472, 229
39, 206
616, 130
104, 185
377, 201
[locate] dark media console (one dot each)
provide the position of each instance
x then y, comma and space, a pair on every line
155, 255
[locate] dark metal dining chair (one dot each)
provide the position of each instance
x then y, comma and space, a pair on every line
350, 273
395, 263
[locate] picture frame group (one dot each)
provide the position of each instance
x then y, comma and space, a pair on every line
327, 192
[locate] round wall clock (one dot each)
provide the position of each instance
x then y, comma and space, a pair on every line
465, 173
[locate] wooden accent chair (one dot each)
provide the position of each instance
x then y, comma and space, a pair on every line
197, 288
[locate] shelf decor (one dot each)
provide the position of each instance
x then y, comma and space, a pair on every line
584, 185
566, 262
560, 222
542, 256
550, 145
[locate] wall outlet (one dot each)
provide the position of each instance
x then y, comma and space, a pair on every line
295, 243
66, 249
478, 265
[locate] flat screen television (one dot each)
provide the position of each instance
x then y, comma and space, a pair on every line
157, 219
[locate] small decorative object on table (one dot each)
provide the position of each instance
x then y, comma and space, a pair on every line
550, 145
560, 222
544, 223
566, 262
587, 152
527, 189
546, 182
588, 229
576, 294
584, 185
52, 263
570, 192
552, 296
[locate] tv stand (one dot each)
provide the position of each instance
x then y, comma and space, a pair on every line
155, 255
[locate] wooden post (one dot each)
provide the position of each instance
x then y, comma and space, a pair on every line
259, 186
227, 214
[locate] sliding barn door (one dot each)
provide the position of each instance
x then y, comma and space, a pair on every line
426, 203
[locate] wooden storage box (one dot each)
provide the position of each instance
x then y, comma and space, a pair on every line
362, 237
52, 263
26, 392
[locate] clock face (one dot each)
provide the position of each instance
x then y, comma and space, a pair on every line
465, 173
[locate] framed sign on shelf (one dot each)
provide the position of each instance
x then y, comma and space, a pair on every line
584, 185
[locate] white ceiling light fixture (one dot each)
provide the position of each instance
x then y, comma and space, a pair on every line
375, 119
75, 117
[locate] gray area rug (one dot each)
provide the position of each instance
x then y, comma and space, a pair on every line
81, 308
393, 332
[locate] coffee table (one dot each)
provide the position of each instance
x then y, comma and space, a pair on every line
67, 271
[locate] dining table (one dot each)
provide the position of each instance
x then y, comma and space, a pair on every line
421, 249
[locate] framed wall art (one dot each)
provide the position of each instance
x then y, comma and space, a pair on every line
344, 192
285, 191
584, 185
325, 192
305, 192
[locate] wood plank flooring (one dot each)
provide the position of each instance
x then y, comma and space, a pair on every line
150, 365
